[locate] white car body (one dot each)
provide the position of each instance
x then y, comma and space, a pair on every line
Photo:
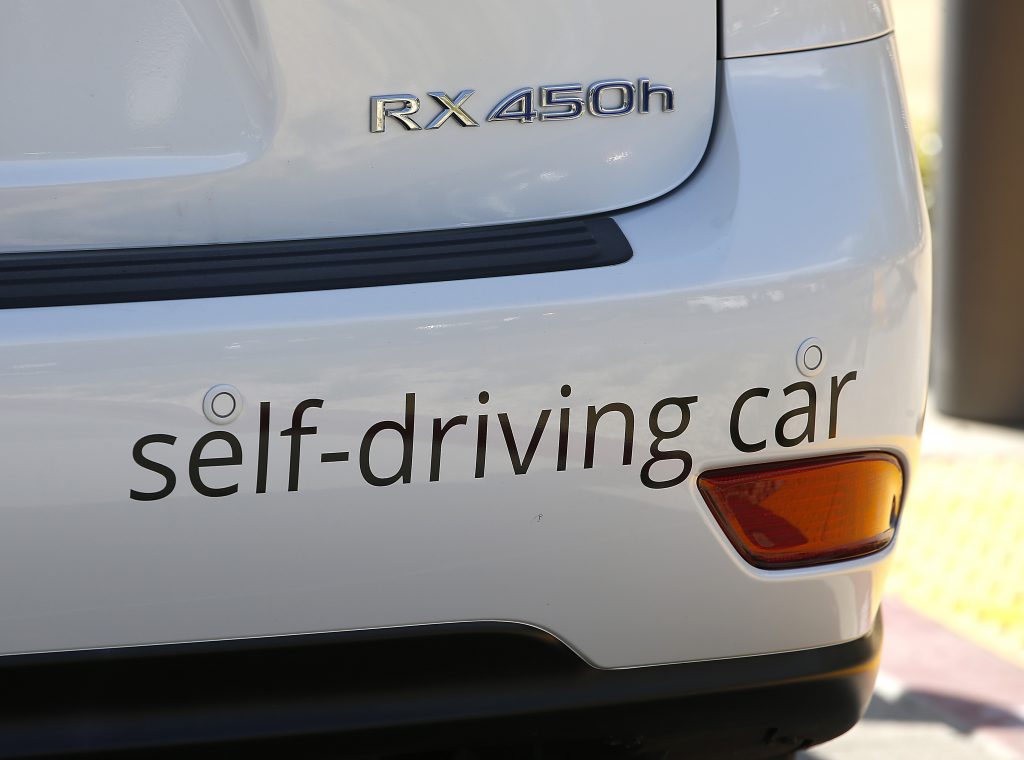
778, 201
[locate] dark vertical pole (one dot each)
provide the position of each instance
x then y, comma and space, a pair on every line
979, 247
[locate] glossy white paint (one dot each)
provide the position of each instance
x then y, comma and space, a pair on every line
106, 91
760, 27
194, 121
806, 219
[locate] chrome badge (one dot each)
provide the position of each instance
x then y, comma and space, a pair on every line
552, 102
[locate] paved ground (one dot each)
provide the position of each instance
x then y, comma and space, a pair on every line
952, 673
959, 557
938, 696
903, 729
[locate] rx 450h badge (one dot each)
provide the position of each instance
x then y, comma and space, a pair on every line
550, 102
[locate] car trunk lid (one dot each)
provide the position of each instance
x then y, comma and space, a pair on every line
187, 121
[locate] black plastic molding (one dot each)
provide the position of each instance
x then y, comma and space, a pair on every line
65, 278
391, 691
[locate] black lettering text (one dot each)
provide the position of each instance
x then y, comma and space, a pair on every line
520, 466
295, 432
660, 435
481, 437
405, 431
833, 410
594, 415
563, 432
264, 448
734, 421
160, 469
196, 462
437, 438
807, 411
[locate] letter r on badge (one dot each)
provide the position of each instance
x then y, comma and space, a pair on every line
400, 107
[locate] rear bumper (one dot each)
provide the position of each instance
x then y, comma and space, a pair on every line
487, 686
805, 219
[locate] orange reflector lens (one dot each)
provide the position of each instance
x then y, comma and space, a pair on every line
795, 514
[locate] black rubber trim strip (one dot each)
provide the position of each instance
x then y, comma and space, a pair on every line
406, 689
64, 278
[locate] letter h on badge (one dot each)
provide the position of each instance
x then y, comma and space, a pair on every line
668, 98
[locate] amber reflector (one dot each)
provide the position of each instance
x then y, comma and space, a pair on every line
808, 512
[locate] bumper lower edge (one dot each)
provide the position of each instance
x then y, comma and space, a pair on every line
479, 685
